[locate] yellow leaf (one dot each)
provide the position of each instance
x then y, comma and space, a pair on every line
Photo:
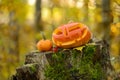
80, 48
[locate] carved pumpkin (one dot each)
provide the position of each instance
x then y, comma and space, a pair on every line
44, 45
71, 35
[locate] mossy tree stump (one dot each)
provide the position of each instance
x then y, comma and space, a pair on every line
89, 62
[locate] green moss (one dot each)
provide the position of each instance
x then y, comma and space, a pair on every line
74, 65
33, 68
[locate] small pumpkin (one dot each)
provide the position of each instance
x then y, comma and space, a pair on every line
44, 45
71, 35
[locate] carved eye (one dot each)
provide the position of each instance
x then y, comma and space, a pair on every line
59, 32
73, 28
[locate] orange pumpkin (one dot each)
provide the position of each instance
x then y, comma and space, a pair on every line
44, 45
71, 35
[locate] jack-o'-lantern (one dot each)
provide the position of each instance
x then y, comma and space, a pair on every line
71, 35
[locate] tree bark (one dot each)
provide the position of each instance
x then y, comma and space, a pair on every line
38, 15
107, 18
14, 34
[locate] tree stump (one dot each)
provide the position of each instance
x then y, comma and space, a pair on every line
67, 64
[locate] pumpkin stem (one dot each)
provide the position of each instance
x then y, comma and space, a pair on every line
43, 35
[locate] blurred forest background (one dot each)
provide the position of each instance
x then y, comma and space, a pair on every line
22, 20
